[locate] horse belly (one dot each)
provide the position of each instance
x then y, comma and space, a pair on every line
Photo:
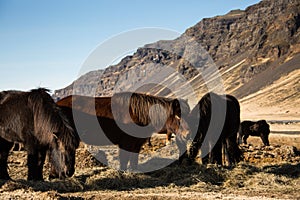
10, 135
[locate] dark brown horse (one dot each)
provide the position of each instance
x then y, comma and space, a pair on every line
260, 128
126, 120
218, 126
33, 119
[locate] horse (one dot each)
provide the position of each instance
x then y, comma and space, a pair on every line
80, 103
33, 119
217, 129
260, 128
164, 130
127, 120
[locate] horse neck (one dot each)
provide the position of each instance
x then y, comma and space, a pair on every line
49, 119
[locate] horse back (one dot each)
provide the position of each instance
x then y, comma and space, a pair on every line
245, 128
99, 106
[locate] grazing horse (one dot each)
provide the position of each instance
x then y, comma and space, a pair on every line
185, 106
218, 126
127, 120
260, 128
34, 120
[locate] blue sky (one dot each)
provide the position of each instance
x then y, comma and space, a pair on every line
44, 43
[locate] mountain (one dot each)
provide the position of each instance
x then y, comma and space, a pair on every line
256, 52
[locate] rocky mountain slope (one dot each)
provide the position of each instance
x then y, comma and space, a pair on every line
256, 52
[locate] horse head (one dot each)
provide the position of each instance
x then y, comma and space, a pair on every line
177, 121
62, 153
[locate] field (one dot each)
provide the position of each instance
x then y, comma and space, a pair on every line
266, 173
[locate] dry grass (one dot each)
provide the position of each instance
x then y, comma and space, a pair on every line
266, 173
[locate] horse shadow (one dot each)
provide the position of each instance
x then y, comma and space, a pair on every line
168, 176
172, 175
288, 170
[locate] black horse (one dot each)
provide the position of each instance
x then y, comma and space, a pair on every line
33, 119
260, 128
217, 128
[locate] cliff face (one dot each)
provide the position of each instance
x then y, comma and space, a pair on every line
267, 29
261, 34
242, 43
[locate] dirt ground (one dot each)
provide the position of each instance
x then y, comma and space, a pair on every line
266, 173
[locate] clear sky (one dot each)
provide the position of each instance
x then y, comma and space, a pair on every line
44, 43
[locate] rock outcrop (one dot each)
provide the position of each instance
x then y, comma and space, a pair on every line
242, 42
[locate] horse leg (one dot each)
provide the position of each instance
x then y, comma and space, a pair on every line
181, 144
34, 165
53, 174
168, 138
124, 159
5, 147
194, 149
234, 152
265, 139
32, 159
245, 137
267, 143
134, 154
239, 138
216, 153
208, 152
40, 164
134, 157
225, 156
205, 154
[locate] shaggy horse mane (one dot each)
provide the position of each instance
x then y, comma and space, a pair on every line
142, 109
49, 118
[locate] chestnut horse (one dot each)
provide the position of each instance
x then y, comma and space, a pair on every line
33, 119
218, 126
127, 120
